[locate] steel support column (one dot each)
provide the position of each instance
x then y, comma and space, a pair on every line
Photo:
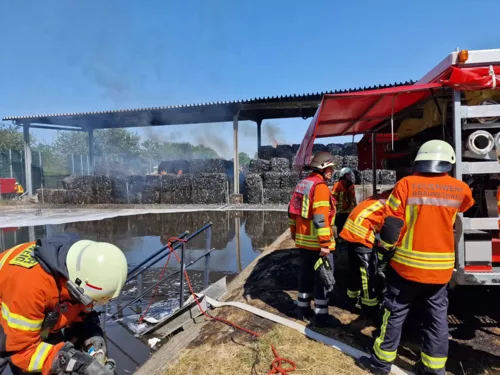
374, 163
457, 137
259, 134
236, 156
91, 149
27, 158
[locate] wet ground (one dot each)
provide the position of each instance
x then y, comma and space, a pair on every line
237, 237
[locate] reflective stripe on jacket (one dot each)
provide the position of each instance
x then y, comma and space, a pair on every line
315, 233
362, 223
344, 196
28, 294
428, 204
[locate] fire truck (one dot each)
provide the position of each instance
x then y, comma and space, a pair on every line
457, 101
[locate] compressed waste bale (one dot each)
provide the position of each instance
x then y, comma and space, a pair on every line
197, 166
77, 197
152, 189
168, 187
259, 166
280, 165
215, 166
286, 195
211, 188
387, 177
338, 160
285, 151
83, 183
350, 161
266, 152
184, 189
318, 148
272, 196
271, 180
51, 196
335, 148
367, 176
295, 148
135, 188
253, 189
119, 189
289, 180
102, 190
350, 149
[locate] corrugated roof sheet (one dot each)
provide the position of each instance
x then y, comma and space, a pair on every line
273, 99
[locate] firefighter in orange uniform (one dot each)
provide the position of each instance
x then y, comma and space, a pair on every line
18, 189
418, 228
311, 213
345, 195
359, 231
48, 285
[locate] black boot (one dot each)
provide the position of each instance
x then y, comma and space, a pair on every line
366, 364
304, 314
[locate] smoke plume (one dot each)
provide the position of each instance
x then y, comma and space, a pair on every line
273, 133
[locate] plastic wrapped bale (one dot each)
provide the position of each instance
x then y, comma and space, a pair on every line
350, 149
318, 148
289, 180
102, 190
83, 183
214, 166
51, 196
271, 180
259, 166
334, 148
253, 189
272, 196
197, 166
280, 165
135, 188
119, 189
210, 188
152, 189
387, 177
284, 151
78, 197
266, 152
350, 161
183, 192
168, 187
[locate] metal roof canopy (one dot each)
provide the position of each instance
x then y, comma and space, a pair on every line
257, 109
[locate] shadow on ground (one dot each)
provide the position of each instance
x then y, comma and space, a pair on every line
473, 316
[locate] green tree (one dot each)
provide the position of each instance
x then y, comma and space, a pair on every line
11, 138
243, 159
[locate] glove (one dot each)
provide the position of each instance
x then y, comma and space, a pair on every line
71, 361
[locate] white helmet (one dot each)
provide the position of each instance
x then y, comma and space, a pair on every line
344, 171
97, 271
434, 156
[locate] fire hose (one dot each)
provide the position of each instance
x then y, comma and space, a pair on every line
277, 363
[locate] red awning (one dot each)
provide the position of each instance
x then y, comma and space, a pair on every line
358, 113
477, 78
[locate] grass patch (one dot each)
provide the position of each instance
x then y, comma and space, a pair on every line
311, 357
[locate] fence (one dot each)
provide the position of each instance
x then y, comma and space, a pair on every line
136, 272
12, 165
80, 165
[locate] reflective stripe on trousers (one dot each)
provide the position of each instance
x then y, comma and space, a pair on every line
309, 283
398, 299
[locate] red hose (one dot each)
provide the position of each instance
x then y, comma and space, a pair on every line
276, 365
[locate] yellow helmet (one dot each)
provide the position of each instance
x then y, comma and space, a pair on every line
97, 271
434, 156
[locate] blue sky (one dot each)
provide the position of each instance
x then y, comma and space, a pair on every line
69, 56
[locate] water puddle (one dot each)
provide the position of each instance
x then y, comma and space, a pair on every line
238, 237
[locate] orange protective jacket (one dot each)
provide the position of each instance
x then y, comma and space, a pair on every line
32, 286
364, 221
428, 204
316, 233
344, 196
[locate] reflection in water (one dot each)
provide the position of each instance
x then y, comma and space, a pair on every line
237, 237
